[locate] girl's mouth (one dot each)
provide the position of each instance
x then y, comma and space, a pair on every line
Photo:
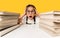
30, 16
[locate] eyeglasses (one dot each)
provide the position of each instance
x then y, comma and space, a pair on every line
30, 11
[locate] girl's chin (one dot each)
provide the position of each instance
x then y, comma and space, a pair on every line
30, 18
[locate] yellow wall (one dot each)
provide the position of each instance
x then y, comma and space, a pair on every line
19, 5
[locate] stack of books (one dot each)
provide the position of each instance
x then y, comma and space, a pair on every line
50, 21
8, 22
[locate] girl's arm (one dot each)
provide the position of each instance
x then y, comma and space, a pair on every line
20, 18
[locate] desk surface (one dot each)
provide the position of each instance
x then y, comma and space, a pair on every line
28, 31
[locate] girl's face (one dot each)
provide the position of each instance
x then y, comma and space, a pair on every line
30, 12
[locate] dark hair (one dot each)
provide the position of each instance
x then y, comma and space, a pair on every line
31, 6
34, 10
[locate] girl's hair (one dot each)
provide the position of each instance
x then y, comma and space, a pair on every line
34, 13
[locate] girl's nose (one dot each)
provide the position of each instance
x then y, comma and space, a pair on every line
30, 12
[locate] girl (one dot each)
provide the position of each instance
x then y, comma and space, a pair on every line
30, 15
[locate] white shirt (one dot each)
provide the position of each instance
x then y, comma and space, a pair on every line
30, 21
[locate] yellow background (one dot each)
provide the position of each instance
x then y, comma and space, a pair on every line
18, 6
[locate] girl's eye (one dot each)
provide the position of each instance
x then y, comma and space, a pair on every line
32, 11
28, 11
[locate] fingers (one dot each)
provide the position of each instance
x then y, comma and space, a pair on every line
19, 20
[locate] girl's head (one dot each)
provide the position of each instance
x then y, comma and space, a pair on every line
30, 11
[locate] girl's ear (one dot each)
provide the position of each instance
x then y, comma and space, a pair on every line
35, 13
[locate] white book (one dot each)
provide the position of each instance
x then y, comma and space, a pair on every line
7, 22
51, 21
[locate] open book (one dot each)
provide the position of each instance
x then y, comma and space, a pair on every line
51, 21
8, 22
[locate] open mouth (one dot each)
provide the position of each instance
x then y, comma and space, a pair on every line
30, 16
